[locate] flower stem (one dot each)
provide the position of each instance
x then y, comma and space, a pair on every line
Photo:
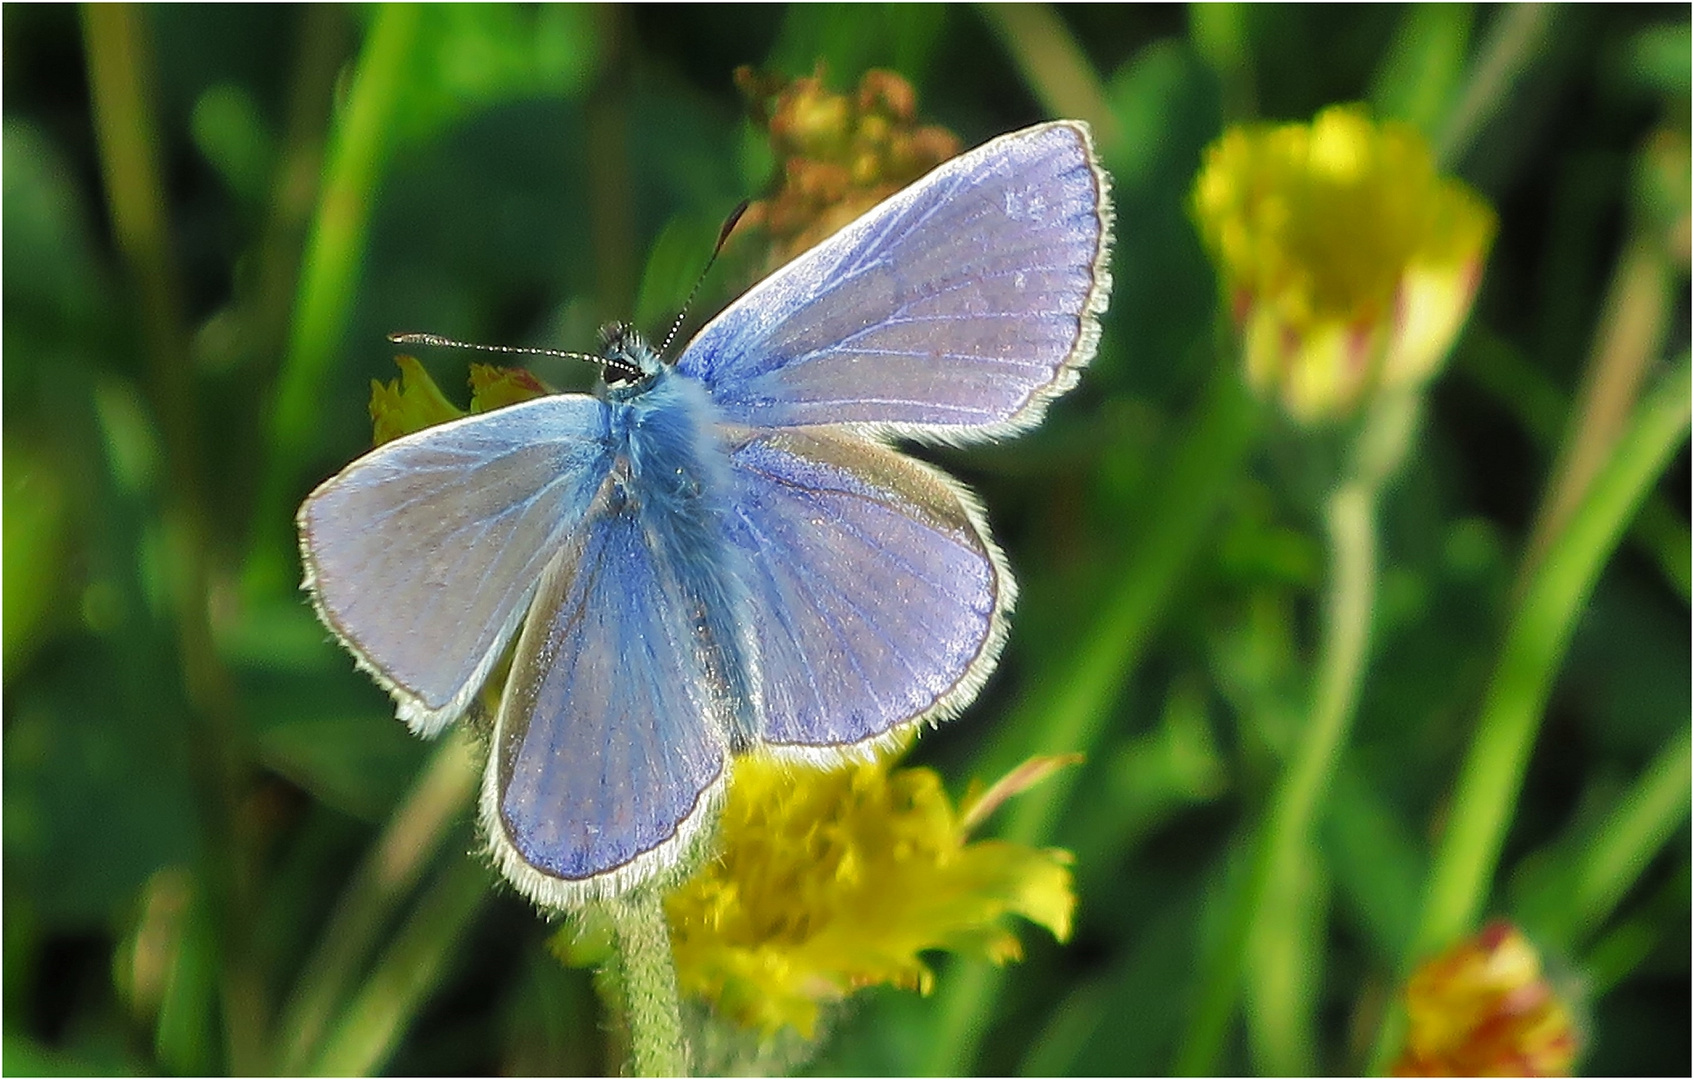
1536, 638
1534, 643
1529, 394
611, 181
1631, 337
647, 973
1514, 43
1220, 36
1285, 834
265, 300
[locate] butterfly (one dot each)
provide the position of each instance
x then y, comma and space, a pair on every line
727, 552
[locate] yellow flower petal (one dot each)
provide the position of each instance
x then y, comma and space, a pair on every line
407, 404
496, 387
414, 401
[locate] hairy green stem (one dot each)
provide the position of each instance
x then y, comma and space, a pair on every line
389, 872
1534, 644
359, 151
1283, 967
1068, 712
120, 74
404, 975
1350, 515
647, 976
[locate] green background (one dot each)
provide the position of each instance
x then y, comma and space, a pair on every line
518, 175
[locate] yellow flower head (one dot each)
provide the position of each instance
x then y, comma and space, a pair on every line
1349, 263
839, 155
830, 880
1482, 1009
414, 402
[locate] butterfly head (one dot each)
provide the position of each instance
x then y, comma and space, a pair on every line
627, 362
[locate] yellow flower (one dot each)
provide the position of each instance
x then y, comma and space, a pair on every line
1348, 261
407, 404
1482, 1009
496, 387
414, 402
828, 880
839, 156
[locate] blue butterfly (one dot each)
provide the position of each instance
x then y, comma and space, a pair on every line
727, 552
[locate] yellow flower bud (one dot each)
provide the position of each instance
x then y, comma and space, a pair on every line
1482, 1009
1347, 260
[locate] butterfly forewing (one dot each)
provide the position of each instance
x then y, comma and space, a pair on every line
954, 310
423, 554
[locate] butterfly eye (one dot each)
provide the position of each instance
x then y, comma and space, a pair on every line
618, 376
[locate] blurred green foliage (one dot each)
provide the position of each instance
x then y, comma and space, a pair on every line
193, 773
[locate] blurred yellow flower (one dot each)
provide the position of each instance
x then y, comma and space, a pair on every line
1482, 1009
414, 402
1348, 261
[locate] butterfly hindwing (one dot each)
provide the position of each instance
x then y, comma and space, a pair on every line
612, 739
954, 310
423, 554
875, 593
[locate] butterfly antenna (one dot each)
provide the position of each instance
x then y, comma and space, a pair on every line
520, 350
626, 369
729, 224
